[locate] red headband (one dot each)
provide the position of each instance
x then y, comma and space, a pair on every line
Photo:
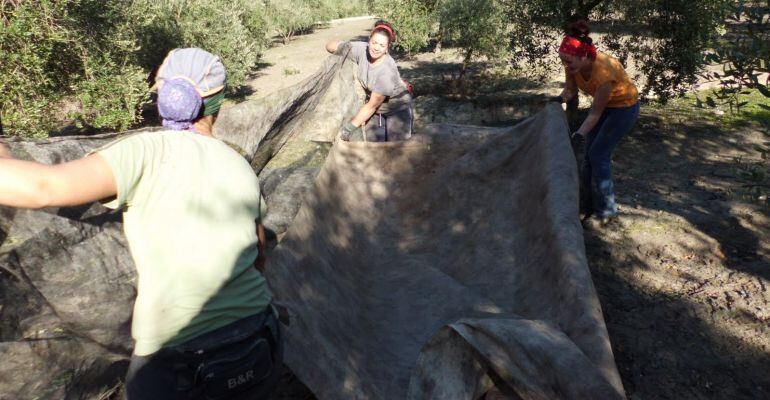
573, 46
385, 27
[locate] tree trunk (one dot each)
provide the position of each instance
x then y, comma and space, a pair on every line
464, 67
583, 9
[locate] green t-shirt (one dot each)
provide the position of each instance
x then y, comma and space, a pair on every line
190, 205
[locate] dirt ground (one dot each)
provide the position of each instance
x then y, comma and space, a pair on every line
285, 65
683, 274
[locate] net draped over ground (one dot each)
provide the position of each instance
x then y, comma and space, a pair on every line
435, 267
426, 269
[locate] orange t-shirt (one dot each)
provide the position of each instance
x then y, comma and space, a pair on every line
608, 69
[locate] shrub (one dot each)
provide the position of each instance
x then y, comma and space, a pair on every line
668, 37
233, 30
290, 18
412, 20
345, 8
88, 61
743, 53
111, 95
477, 27
93, 57
32, 37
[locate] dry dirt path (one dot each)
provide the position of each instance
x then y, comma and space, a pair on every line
286, 65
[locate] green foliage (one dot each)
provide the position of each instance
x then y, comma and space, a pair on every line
412, 20
743, 53
476, 27
682, 32
235, 30
111, 95
666, 37
109, 89
31, 38
88, 61
345, 8
290, 18
53, 48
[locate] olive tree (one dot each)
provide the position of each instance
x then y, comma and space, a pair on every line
413, 21
54, 49
744, 53
476, 27
667, 37
290, 18
86, 63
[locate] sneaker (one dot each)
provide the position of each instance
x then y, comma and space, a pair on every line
609, 219
589, 223
585, 214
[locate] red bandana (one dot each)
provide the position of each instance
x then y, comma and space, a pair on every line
386, 28
572, 46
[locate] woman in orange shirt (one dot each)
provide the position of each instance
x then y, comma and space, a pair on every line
614, 110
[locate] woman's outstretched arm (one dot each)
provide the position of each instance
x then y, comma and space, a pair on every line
29, 184
601, 98
570, 88
366, 112
331, 47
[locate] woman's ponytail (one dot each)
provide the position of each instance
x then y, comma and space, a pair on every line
577, 42
580, 31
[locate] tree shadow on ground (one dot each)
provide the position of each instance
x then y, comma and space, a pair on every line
687, 168
441, 78
684, 323
663, 345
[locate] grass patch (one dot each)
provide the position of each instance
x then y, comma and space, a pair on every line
707, 106
289, 71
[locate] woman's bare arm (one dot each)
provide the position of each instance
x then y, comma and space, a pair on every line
366, 112
601, 98
29, 184
331, 47
570, 88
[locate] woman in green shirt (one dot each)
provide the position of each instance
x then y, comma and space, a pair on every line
192, 208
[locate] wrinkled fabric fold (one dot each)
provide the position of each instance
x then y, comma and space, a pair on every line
466, 232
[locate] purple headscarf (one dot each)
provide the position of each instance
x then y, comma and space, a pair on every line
179, 104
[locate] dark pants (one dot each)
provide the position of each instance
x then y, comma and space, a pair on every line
238, 361
598, 192
391, 127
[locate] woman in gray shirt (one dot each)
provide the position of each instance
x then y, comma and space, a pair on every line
387, 113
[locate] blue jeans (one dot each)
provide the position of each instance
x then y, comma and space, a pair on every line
238, 361
598, 192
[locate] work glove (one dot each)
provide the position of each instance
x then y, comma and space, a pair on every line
351, 132
577, 138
